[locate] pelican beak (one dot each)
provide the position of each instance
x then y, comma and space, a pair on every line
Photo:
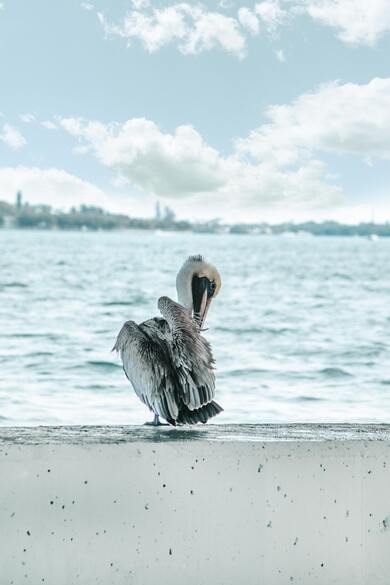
202, 295
204, 313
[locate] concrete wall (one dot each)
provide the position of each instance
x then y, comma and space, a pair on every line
238, 505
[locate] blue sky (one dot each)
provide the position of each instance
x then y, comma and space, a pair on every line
239, 110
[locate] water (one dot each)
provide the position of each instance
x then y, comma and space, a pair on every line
300, 331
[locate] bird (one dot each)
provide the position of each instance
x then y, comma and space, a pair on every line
167, 360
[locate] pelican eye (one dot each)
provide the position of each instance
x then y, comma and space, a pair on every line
212, 287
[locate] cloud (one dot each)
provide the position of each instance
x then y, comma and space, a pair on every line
166, 164
87, 6
12, 137
339, 118
277, 164
358, 22
271, 14
27, 118
249, 20
49, 125
280, 55
182, 166
140, 4
192, 27
51, 186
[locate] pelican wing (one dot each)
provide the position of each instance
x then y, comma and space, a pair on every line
146, 362
191, 355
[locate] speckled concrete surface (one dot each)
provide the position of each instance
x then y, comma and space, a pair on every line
215, 505
129, 433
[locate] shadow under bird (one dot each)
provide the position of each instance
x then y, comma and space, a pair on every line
167, 360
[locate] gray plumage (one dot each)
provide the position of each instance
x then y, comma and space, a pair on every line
170, 365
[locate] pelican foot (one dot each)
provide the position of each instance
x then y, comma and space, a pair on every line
155, 423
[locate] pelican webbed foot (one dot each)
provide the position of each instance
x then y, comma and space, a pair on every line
155, 422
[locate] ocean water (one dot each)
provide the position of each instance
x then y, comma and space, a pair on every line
300, 330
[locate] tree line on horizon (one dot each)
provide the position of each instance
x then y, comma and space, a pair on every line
95, 218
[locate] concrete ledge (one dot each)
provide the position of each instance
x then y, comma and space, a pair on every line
81, 435
214, 505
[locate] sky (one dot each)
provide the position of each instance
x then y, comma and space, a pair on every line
275, 110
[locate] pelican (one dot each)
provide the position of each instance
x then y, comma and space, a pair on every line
167, 360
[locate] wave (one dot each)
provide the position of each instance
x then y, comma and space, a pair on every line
14, 285
49, 336
342, 276
308, 399
130, 303
335, 373
103, 364
261, 330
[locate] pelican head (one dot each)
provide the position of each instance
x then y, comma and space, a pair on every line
197, 283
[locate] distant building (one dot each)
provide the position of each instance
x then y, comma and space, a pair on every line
158, 211
19, 200
169, 214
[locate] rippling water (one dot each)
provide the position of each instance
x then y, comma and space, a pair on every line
300, 331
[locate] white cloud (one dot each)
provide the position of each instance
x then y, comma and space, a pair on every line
280, 55
87, 6
138, 4
12, 137
173, 165
344, 119
27, 118
49, 125
271, 14
278, 164
181, 165
358, 22
249, 20
212, 29
192, 27
50, 186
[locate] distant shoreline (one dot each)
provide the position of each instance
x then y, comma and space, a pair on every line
92, 219
169, 232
